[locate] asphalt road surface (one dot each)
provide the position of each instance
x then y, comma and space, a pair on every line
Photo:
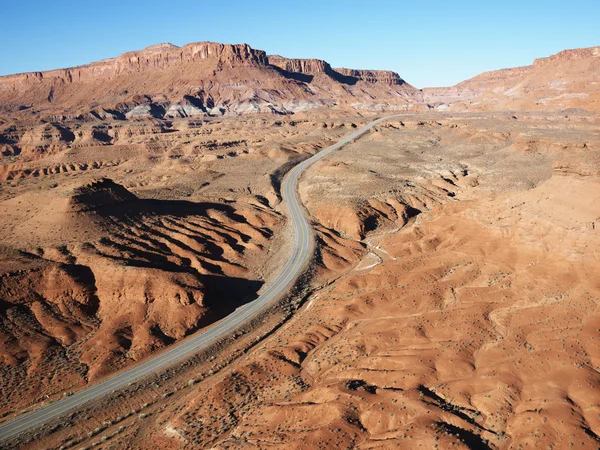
295, 266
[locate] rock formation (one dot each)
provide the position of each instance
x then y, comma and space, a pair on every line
568, 79
316, 66
203, 78
386, 77
311, 66
154, 57
452, 298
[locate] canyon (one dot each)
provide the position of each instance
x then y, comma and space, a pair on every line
453, 292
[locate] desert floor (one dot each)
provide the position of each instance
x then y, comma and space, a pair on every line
452, 301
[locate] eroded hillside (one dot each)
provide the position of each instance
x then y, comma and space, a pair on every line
113, 251
568, 79
197, 80
456, 302
453, 293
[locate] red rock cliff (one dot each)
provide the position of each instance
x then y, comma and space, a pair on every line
153, 57
309, 66
386, 77
569, 55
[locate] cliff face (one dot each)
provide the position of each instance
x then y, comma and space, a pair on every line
569, 55
502, 77
308, 66
386, 77
154, 57
568, 79
316, 66
198, 79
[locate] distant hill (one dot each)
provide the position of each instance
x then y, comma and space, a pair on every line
569, 79
198, 79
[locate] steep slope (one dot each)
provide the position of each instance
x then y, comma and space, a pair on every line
362, 89
569, 79
203, 78
97, 274
93, 278
476, 328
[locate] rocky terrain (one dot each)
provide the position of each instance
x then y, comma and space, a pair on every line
114, 249
199, 79
568, 79
464, 311
452, 300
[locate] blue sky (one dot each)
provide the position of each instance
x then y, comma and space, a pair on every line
428, 42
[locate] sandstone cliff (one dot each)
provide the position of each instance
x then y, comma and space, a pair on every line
203, 78
374, 76
316, 66
151, 58
568, 79
311, 66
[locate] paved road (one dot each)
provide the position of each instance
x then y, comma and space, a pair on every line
303, 250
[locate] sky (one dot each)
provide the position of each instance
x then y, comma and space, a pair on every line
428, 42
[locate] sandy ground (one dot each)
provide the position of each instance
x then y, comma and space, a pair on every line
109, 253
454, 304
476, 330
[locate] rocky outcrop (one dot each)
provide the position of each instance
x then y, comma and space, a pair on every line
496, 79
98, 194
569, 55
316, 66
206, 78
190, 106
386, 77
568, 79
153, 57
308, 66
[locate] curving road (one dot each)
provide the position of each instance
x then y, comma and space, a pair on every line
300, 257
